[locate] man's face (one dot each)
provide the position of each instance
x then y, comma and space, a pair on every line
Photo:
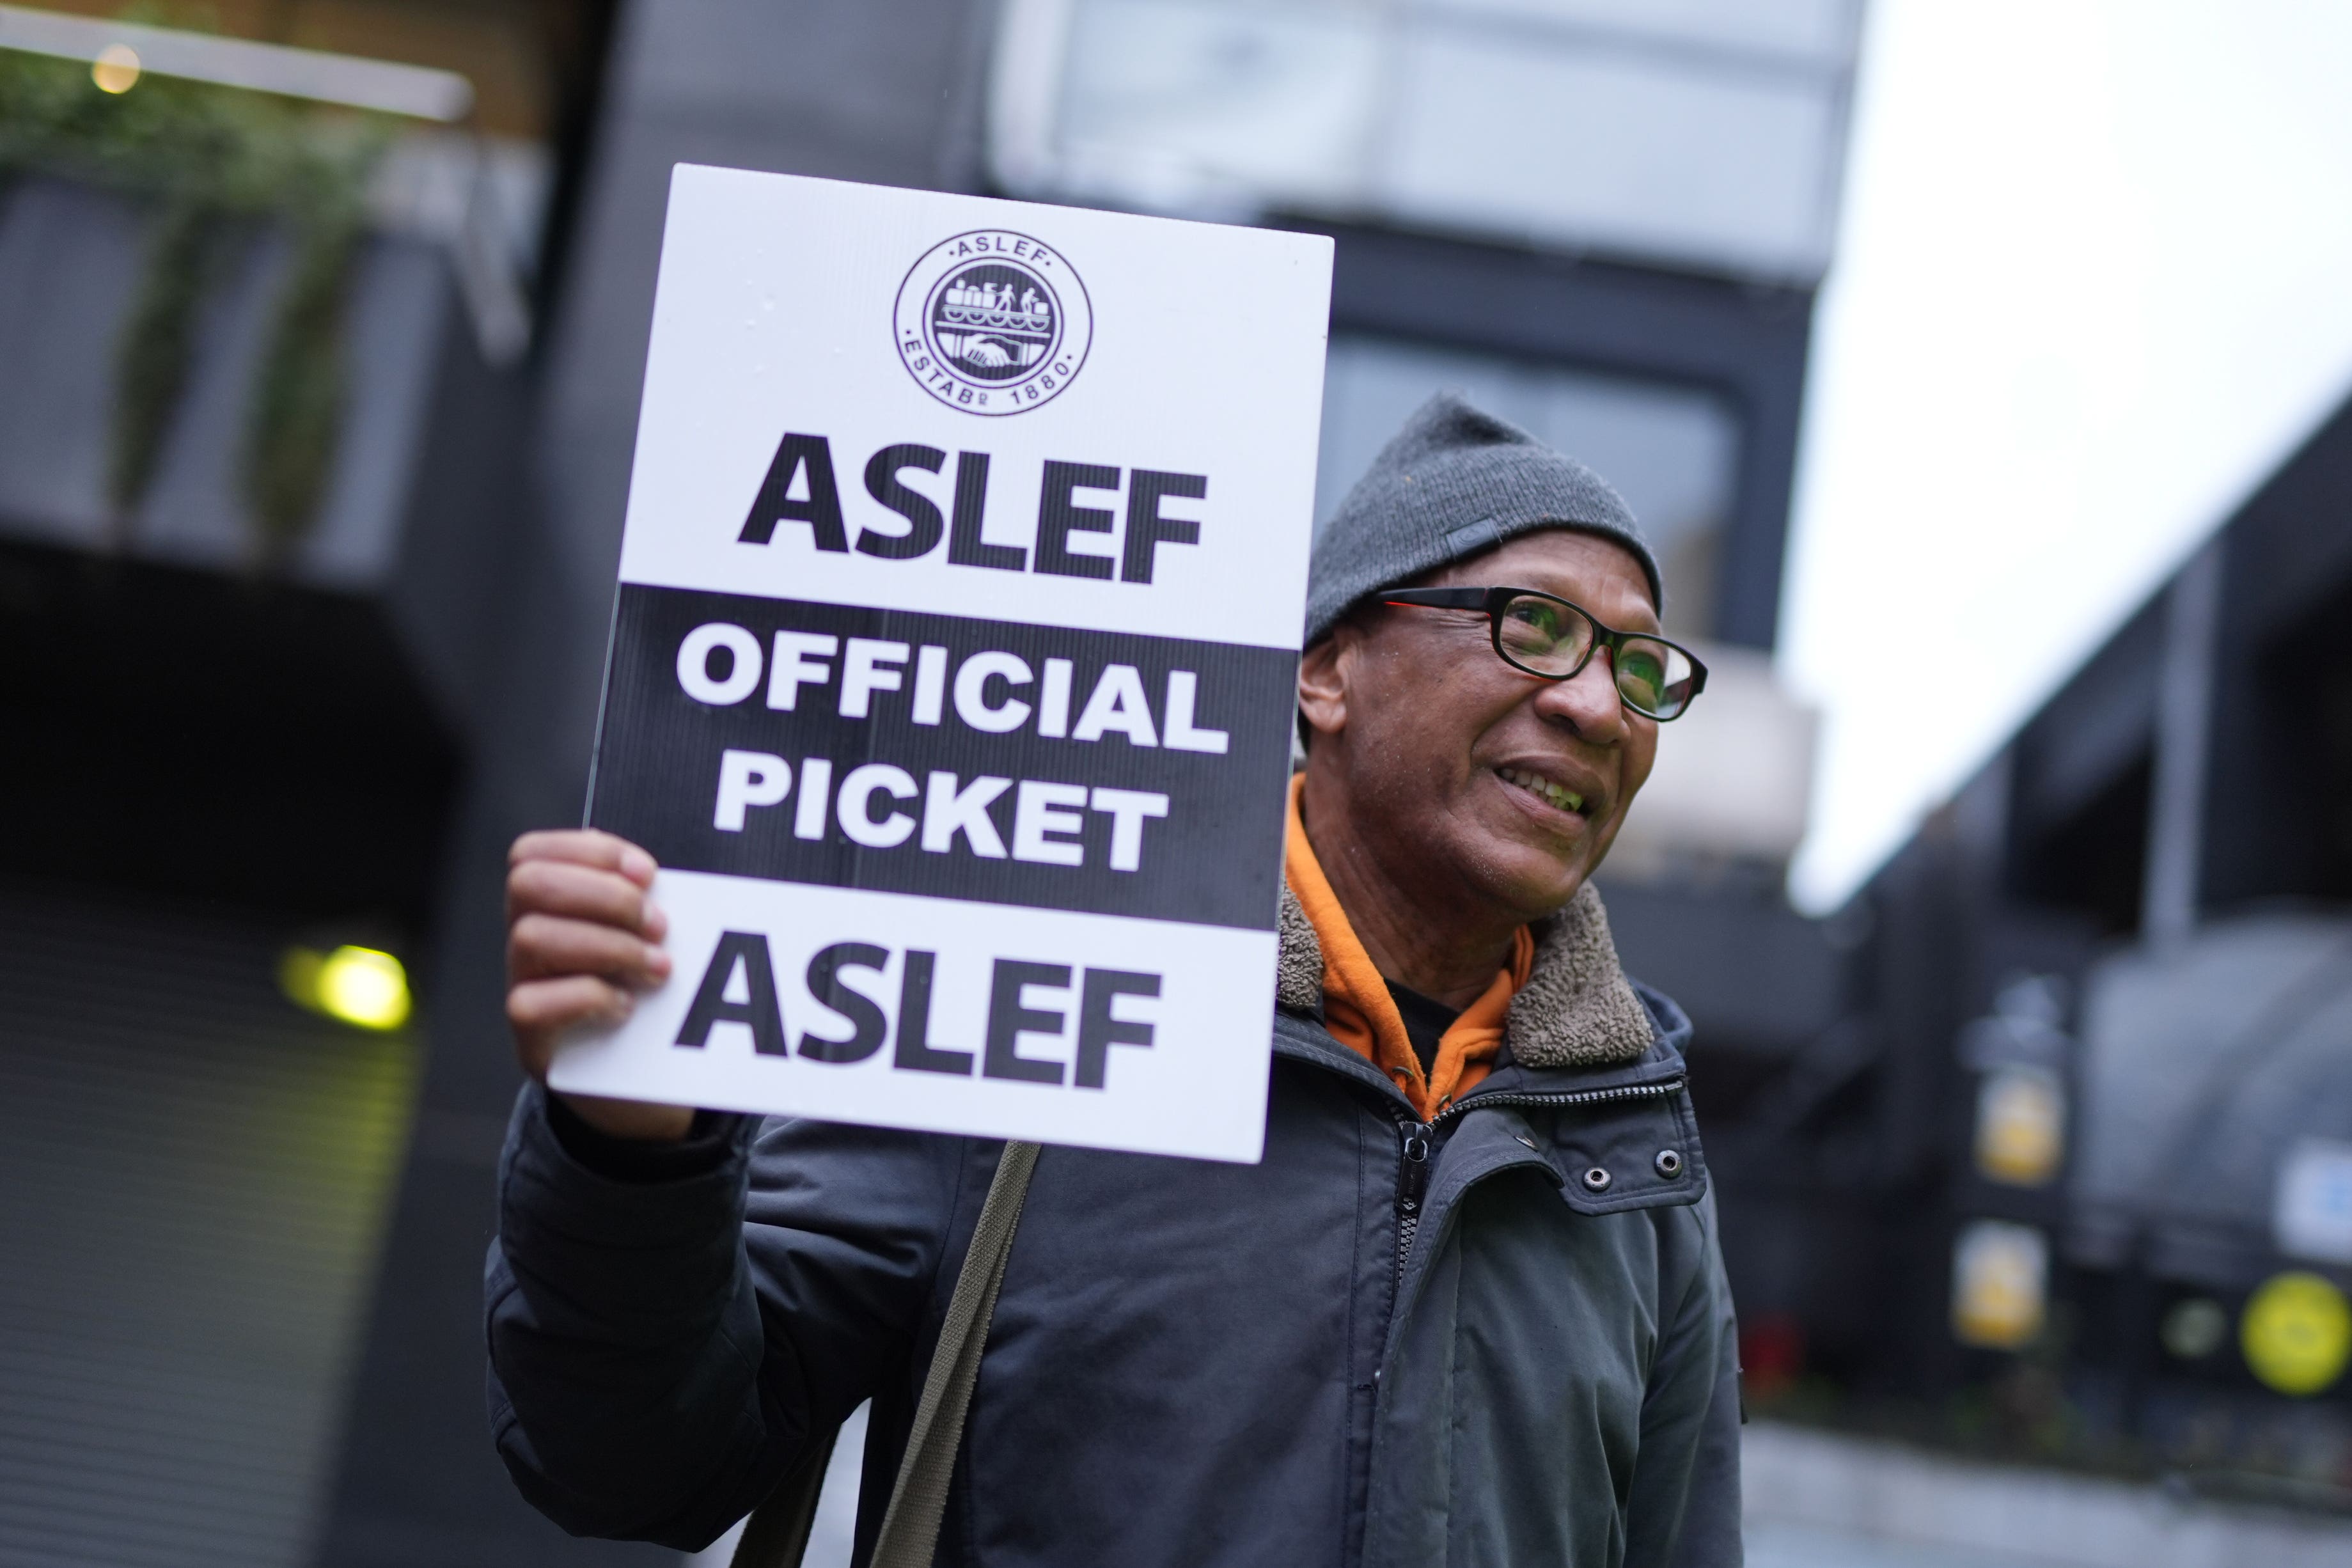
1464, 776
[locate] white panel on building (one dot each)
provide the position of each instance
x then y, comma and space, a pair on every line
1202, 105
1702, 133
1630, 152
1820, 31
2312, 1215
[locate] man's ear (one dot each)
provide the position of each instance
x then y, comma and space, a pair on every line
1323, 686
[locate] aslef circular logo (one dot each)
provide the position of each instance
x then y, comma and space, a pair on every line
993, 322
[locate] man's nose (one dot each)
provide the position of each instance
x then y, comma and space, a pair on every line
1587, 702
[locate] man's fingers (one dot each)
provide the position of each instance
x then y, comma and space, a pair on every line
541, 945
582, 937
581, 892
540, 1010
585, 847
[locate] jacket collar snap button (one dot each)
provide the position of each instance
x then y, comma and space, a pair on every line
1596, 1179
1670, 1163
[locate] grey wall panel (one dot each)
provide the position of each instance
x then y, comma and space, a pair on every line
192, 1178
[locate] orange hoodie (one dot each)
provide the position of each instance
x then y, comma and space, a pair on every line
1358, 1009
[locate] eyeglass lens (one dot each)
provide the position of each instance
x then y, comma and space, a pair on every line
1547, 638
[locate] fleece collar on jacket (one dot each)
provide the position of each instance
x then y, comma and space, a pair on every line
1577, 1009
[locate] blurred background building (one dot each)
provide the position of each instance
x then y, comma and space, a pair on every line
322, 330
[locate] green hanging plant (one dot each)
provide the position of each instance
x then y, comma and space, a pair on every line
218, 159
297, 409
152, 356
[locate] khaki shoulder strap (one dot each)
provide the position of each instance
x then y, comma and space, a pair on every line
778, 1532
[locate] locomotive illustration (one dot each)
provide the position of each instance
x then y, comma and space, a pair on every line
993, 320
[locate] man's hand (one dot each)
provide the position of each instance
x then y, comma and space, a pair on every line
582, 940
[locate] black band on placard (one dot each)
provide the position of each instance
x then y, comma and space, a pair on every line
1102, 771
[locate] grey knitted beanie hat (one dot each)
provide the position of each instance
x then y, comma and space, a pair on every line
1455, 481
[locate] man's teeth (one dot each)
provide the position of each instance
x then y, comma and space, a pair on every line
1561, 796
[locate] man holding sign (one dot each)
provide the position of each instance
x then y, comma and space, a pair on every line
1467, 1303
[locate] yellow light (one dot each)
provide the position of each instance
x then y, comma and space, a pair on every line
2000, 1278
2297, 1332
356, 984
2020, 1126
116, 70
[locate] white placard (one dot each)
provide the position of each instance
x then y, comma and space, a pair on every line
1208, 1023
952, 679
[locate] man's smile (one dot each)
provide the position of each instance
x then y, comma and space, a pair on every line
1547, 786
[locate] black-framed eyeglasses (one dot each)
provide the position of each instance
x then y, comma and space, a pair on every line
1548, 637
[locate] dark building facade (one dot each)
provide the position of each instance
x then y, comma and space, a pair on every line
2076, 1158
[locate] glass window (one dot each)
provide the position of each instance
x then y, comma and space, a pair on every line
1671, 451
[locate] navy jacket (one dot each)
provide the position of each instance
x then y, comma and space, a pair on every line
1518, 1350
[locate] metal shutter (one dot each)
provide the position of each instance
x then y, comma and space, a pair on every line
192, 1177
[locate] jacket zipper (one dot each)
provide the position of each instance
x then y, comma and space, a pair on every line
1412, 1186
1419, 1149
